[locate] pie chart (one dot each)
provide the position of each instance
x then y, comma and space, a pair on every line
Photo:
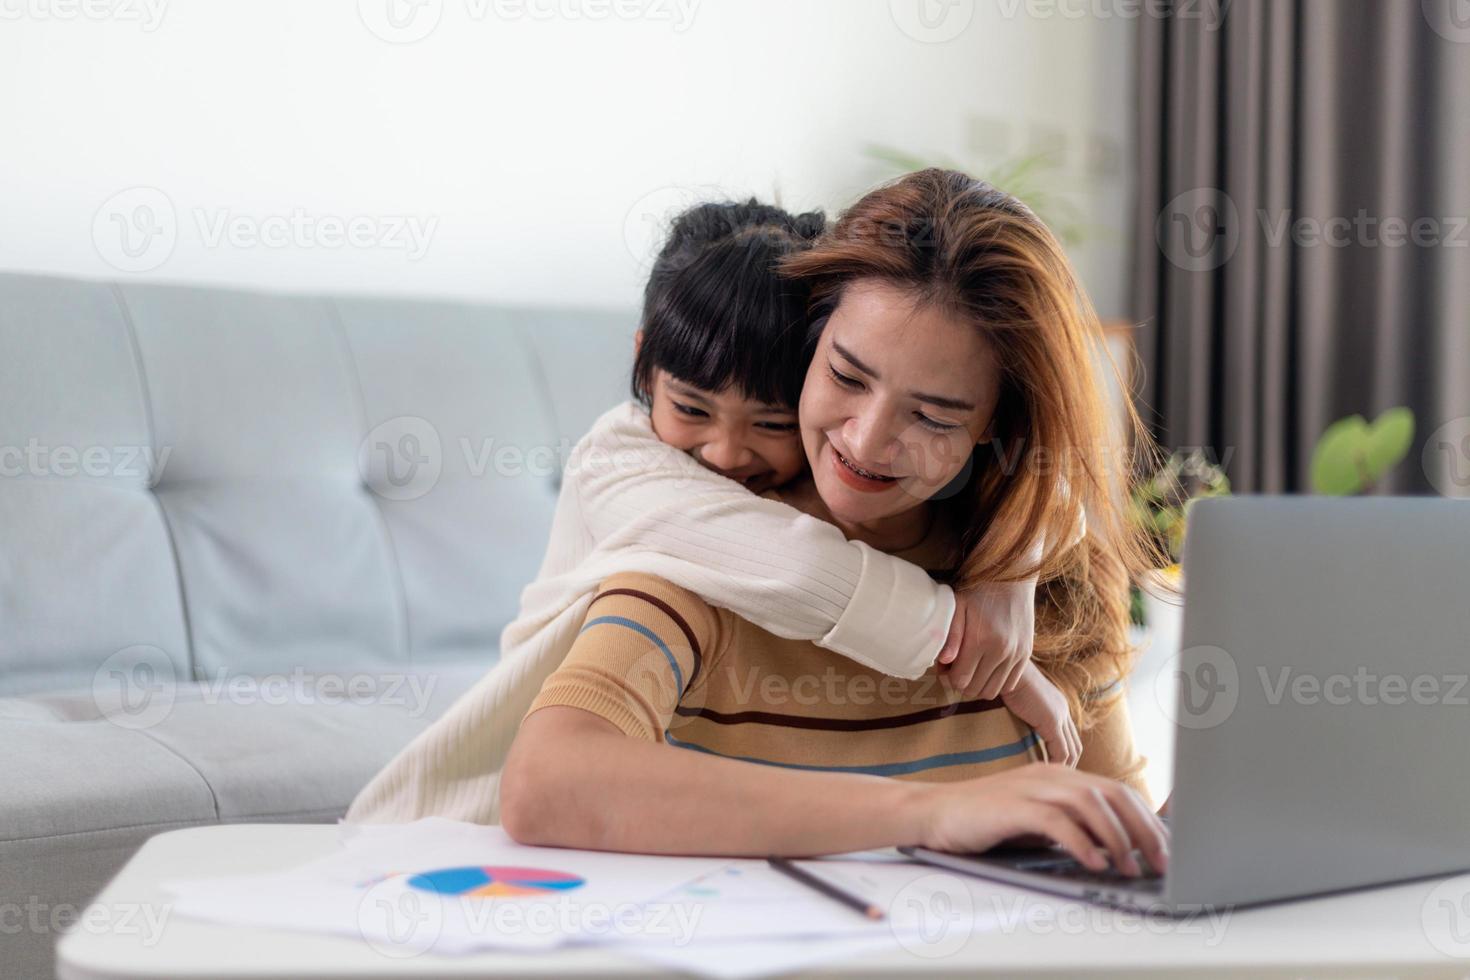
490, 881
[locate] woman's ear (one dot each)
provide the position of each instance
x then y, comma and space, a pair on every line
637, 342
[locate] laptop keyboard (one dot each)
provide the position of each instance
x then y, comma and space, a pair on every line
1066, 866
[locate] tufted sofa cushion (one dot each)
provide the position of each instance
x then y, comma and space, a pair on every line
219, 510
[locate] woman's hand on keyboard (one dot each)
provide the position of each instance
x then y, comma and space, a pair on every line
1093, 818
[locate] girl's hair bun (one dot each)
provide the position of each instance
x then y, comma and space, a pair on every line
715, 221
810, 225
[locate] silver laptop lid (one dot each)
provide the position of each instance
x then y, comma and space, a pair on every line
1323, 716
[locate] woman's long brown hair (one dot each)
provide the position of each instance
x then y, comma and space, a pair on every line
966, 247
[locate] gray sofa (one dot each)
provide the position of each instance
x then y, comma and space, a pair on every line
250, 544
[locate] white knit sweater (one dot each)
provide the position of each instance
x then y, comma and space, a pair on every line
631, 503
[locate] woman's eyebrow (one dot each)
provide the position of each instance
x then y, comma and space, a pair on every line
854, 361
942, 401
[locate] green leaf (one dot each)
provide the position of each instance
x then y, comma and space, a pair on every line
1335, 459
902, 161
1176, 540
1388, 441
1352, 454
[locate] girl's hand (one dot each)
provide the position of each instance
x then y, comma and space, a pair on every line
990, 638
1038, 703
1091, 817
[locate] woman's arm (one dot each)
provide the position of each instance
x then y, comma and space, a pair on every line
788, 572
574, 779
591, 768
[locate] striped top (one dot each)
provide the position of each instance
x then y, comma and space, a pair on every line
662, 664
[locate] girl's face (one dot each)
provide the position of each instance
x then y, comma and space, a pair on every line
748, 441
896, 398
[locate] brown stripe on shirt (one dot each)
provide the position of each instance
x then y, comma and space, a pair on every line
838, 724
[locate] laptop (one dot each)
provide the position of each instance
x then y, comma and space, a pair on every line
1322, 718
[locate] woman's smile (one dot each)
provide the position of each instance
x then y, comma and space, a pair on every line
860, 479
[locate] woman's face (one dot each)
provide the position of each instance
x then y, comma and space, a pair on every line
897, 396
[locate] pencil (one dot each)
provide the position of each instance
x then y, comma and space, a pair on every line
826, 888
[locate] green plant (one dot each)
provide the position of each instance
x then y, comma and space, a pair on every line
1026, 177
1161, 504
1352, 455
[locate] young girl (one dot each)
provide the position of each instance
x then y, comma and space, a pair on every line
668, 485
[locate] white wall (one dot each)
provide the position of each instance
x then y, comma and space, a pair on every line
533, 143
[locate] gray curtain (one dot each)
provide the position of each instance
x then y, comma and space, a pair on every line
1284, 145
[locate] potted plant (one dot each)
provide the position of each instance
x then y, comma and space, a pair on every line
1161, 506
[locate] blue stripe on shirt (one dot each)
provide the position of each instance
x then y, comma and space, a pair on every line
645, 631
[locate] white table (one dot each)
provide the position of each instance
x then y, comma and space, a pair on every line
1384, 932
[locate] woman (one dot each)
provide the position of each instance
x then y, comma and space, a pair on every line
950, 398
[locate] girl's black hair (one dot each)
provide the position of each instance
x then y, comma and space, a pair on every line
716, 312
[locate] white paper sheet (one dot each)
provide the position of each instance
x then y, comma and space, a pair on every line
717, 917
380, 886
